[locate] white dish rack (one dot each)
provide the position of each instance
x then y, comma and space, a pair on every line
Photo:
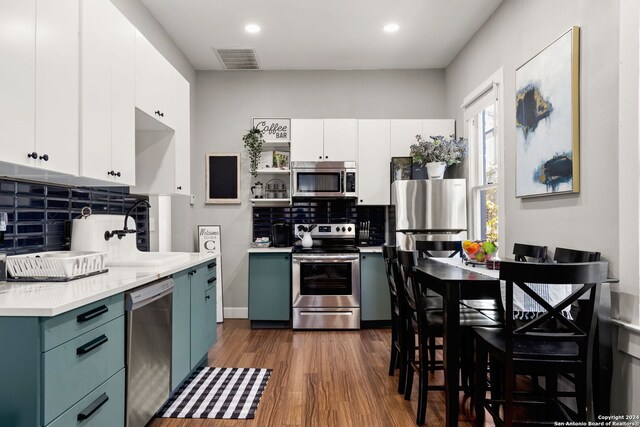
56, 264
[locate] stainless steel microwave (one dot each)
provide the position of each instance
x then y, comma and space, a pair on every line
323, 179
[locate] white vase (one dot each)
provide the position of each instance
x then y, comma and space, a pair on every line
435, 170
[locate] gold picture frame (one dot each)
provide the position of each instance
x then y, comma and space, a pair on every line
548, 119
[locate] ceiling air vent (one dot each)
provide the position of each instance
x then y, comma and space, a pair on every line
238, 59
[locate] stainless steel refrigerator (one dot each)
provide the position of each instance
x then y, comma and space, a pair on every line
427, 209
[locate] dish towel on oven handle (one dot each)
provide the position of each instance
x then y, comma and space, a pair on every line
524, 307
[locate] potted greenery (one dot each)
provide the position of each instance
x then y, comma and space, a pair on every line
253, 144
438, 152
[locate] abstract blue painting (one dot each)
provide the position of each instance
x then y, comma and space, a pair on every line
547, 120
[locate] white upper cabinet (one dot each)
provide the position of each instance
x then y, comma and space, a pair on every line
108, 94
403, 133
155, 83
163, 154
57, 88
39, 101
374, 156
340, 136
331, 140
183, 137
307, 136
17, 76
435, 127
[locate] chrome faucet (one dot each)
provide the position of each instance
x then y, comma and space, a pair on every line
125, 230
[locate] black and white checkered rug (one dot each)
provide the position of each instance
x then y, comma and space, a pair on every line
231, 393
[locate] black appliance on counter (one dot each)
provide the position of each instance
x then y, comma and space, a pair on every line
281, 235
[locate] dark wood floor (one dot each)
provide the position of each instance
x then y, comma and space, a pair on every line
320, 378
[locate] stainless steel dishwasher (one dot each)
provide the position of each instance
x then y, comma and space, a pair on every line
148, 311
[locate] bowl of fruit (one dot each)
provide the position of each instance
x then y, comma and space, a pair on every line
479, 251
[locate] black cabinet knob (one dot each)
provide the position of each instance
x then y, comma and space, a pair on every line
206, 297
118, 174
159, 113
33, 155
320, 157
326, 157
286, 257
364, 256
112, 173
360, 200
180, 187
45, 157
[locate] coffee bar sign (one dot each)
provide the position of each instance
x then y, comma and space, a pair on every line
209, 239
274, 130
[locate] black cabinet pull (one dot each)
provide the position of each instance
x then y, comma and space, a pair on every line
45, 157
210, 266
180, 187
118, 174
364, 256
93, 407
93, 313
159, 113
92, 345
33, 155
212, 280
112, 173
207, 297
286, 257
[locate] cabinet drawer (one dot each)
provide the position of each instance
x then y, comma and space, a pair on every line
59, 329
73, 369
103, 407
210, 281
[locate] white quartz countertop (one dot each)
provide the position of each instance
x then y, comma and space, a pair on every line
45, 299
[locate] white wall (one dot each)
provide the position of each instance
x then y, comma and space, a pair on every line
145, 22
226, 102
604, 216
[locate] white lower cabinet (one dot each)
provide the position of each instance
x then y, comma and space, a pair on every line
108, 94
373, 162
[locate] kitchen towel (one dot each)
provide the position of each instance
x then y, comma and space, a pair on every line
229, 393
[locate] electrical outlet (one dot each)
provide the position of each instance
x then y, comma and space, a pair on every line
192, 200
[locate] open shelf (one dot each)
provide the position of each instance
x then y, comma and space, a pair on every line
273, 171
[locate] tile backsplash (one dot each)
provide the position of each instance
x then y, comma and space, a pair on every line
324, 211
39, 215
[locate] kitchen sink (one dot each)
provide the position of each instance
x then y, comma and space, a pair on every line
147, 259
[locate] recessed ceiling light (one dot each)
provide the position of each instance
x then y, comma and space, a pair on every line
252, 28
391, 28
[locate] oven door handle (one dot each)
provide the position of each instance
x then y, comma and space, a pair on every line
328, 257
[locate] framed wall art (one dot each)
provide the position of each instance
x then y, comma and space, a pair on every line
548, 119
222, 172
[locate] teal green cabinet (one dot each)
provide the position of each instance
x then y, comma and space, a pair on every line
198, 317
52, 369
269, 288
374, 289
181, 328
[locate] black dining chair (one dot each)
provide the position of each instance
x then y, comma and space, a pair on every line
426, 323
602, 351
547, 345
398, 316
533, 253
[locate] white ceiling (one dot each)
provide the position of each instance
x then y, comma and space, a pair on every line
324, 34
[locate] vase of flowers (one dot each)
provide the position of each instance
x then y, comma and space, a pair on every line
253, 144
438, 152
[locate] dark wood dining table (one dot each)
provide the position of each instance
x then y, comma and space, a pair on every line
455, 284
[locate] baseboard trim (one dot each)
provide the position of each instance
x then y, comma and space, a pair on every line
236, 312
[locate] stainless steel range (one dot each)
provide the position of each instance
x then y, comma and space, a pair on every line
326, 279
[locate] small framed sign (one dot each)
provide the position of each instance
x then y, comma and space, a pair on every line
274, 130
222, 174
209, 239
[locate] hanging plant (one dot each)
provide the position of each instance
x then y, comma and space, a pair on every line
253, 144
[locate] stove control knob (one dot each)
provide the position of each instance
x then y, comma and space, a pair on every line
349, 229
343, 229
337, 228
